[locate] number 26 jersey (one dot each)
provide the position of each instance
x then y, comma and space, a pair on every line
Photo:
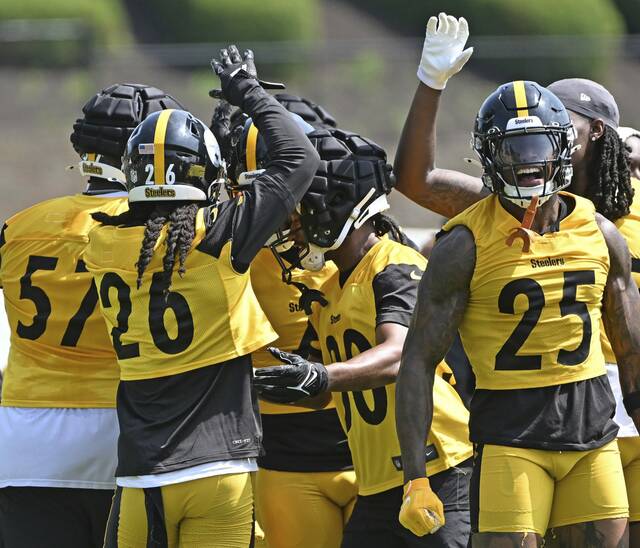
383, 289
209, 316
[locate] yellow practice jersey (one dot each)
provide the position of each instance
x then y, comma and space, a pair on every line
280, 303
629, 227
382, 289
61, 353
533, 318
209, 316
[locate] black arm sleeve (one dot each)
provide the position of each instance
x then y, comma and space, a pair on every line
396, 290
251, 218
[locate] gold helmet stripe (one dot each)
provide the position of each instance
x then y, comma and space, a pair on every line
521, 98
91, 156
158, 146
252, 140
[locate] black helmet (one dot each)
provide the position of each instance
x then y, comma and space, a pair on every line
523, 133
349, 187
249, 154
171, 156
311, 113
100, 137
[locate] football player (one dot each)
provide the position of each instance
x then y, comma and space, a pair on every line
58, 425
189, 431
306, 486
360, 330
525, 274
602, 174
631, 139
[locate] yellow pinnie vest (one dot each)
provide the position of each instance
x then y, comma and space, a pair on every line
629, 227
61, 353
346, 327
280, 303
210, 315
533, 319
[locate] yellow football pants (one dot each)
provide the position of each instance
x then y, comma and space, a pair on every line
216, 512
630, 455
531, 489
304, 509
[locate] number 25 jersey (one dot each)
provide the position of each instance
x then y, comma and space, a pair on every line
531, 330
382, 289
61, 353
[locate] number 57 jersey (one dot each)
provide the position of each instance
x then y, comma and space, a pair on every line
383, 289
61, 353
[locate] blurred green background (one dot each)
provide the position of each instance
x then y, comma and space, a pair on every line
355, 57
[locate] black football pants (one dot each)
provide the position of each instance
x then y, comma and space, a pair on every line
53, 517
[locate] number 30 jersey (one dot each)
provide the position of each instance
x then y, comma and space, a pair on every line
531, 330
383, 289
61, 353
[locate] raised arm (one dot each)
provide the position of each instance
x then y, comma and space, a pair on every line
443, 191
621, 316
254, 215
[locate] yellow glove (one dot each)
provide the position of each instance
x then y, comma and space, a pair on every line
421, 512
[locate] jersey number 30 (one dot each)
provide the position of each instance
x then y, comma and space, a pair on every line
370, 416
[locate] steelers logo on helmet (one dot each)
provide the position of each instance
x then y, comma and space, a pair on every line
524, 138
172, 156
349, 188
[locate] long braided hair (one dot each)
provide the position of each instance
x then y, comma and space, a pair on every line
383, 224
612, 194
181, 218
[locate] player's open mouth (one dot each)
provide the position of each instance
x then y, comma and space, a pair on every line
530, 176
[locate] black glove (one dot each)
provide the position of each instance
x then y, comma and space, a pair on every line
290, 383
232, 66
237, 75
221, 127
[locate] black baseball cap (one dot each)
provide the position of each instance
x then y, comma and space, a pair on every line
588, 98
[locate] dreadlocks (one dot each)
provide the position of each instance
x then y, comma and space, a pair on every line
180, 234
613, 194
383, 224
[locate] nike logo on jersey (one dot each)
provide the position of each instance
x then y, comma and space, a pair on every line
415, 275
430, 454
334, 319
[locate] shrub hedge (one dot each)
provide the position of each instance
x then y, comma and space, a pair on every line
593, 22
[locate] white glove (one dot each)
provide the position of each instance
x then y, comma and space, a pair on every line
442, 53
